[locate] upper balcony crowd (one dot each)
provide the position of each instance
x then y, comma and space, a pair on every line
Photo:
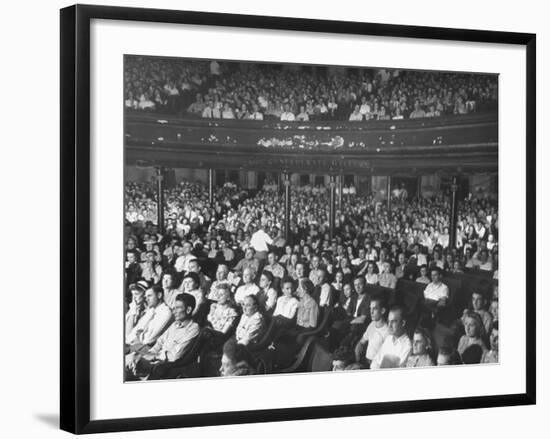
253, 91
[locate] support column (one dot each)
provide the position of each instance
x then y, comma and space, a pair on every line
340, 191
389, 192
454, 214
211, 186
332, 213
286, 184
419, 187
160, 199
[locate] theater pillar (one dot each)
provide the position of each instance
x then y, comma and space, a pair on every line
454, 214
286, 184
160, 199
332, 213
340, 191
210, 186
388, 190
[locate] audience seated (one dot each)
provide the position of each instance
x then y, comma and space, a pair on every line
289, 287
153, 321
397, 347
375, 333
170, 346
187, 87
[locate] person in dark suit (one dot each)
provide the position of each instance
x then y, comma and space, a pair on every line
349, 329
360, 318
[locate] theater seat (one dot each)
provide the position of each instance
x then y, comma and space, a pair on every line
320, 359
297, 364
322, 326
265, 340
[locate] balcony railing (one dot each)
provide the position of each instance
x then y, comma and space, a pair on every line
476, 131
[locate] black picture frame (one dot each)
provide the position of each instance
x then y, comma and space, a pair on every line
75, 217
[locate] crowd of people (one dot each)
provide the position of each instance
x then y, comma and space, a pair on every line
253, 91
225, 271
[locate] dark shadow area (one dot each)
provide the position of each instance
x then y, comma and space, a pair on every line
50, 419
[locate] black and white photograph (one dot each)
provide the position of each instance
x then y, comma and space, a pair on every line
286, 218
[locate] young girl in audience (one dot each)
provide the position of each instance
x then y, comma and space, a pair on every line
477, 305
371, 277
474, 332
421, 350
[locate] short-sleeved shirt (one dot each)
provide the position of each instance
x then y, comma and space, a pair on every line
172, 344
436, 292
393, 352
286, 307
374, 336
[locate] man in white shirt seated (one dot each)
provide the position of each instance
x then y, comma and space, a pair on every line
249, 288
436, 293
375, 334
153, 323
436, 299
397, 346
169, 347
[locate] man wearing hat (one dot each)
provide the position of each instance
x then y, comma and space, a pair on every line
170, 346
137, 306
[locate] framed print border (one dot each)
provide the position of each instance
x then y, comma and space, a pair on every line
75, 213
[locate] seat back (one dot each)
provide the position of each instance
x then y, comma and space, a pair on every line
322, 325
410, 293
320, 359
265, 340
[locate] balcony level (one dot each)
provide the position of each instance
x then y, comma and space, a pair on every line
462, 144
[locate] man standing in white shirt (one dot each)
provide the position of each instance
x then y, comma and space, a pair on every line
397, 346
259, 241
